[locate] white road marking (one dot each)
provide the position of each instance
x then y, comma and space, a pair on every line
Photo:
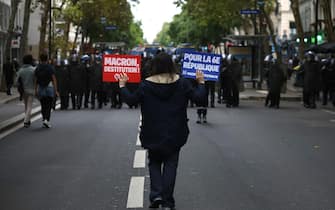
140, 157
328, 111
20, 125
333, 120
136, 192
17, 127
138, 142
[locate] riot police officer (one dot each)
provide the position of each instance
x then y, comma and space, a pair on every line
276, 80
96, 84
328, 80
63, 80
76, 81
232, 77
310, 70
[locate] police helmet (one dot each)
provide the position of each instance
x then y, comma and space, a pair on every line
268, 58
74, 57
97, 58
310, 56
85, 58
230, 58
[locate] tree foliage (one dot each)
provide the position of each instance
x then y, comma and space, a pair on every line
208, 21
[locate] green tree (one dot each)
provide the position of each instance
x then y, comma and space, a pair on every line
163, 37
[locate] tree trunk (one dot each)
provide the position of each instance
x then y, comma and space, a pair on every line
272, 35
44, 21
9, 37
75, 39
298, 23
277, 49
325, 4
26, 20
10, 31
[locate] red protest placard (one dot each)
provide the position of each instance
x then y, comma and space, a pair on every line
113, 65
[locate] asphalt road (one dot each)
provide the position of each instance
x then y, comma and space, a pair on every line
250, 158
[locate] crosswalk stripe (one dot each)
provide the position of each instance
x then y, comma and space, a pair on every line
136, 192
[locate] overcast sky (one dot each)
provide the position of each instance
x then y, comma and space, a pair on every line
153, 14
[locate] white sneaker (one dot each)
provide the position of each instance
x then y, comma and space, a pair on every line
46, 124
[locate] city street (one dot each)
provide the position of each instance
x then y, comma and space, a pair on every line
248, 158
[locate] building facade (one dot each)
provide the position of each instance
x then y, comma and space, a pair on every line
308, 17
285, 27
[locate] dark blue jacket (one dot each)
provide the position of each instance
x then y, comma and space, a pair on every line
164, 126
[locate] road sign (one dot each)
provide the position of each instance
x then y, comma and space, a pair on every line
110, 27
250, 11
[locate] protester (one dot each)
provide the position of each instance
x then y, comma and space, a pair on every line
26, 81
163, 97
45, 88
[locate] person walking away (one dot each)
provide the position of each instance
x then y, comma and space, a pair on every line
163, 98
276, 80
45, 88
26, 78
9, 71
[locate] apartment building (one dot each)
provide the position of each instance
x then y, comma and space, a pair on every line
308, 17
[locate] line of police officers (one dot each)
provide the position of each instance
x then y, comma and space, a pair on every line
317, 76
80, 79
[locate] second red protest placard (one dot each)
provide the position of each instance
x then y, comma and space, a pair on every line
114, 65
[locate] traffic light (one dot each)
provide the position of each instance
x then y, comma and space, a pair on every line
297, 40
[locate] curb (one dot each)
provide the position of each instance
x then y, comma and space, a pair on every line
12, 122
9, 99
18, 119
259, 98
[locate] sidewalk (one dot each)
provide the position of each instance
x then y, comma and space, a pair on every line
10, 116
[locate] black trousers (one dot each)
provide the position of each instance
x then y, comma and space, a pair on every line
309, 98
274, 97
64, 101
163, 172
210, 87
99, 95
46, 105
77, 100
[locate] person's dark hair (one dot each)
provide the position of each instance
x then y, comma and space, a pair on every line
28, 59
162, 63
43, 57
